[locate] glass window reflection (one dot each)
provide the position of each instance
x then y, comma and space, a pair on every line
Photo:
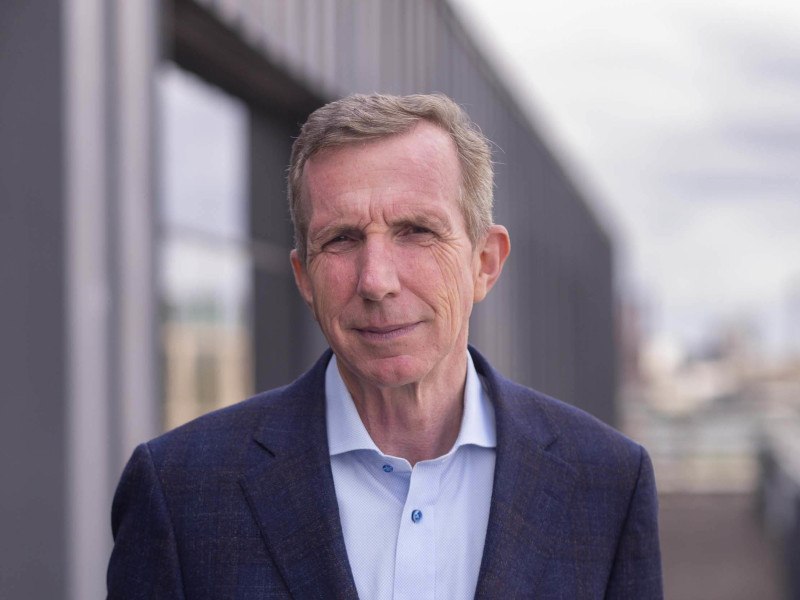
205, 263
203, 156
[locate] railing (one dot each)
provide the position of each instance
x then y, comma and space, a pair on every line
779, 496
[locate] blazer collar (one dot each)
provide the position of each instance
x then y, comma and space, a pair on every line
290, 491
531, 493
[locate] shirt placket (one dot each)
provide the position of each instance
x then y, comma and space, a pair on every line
415, 558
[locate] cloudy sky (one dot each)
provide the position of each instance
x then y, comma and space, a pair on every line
681, 122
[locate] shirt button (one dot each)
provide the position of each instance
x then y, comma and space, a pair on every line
416, 515
388, 468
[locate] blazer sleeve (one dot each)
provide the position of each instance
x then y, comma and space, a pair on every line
636, 572
144, 562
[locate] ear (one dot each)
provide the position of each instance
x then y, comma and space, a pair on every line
302, 279
490, 257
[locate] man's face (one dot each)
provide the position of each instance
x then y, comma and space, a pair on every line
390, 274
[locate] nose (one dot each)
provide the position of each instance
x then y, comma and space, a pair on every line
377, 276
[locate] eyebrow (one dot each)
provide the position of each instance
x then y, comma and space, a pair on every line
333, 230
430, 221
434, 222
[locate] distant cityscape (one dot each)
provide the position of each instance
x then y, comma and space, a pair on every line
706, 414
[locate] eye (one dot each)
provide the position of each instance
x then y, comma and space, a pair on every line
339, 242
417, 231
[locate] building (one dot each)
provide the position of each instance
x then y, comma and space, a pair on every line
144, 269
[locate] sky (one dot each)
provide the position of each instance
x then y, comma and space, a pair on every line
681, 123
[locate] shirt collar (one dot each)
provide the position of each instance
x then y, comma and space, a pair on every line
346, 431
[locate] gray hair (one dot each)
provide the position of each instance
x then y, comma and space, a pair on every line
359, 118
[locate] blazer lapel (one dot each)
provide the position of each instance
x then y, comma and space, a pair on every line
290, 491
291, 494
531, 495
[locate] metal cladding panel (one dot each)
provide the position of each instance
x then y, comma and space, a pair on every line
548, 323
33, 410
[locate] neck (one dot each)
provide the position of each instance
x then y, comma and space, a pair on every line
418, 421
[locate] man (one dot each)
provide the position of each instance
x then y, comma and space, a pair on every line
402, 465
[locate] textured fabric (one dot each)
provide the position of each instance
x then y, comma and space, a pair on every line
391, 554
241, 503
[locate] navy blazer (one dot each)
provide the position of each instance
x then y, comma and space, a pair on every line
240, 503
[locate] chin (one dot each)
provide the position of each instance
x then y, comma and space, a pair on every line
392, 371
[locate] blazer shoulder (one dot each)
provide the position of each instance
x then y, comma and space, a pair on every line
296, 410
563, 430
589, 437
216, 432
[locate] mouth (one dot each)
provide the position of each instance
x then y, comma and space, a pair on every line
386, 332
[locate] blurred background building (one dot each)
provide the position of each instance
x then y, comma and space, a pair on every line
145, 236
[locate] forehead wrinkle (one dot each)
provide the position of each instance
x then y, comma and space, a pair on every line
381, 186
434, 157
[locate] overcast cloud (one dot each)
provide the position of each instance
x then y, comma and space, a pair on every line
682, 123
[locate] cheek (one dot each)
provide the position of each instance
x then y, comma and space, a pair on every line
332, 287
444, 277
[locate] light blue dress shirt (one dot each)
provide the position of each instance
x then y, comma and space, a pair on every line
412, 533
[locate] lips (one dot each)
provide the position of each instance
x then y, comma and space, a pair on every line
384, 328
392, 331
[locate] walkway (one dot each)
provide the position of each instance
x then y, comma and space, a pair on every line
713, 548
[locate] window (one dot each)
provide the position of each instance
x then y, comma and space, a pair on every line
205, 261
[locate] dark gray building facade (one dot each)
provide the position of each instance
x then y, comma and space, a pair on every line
145, 235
